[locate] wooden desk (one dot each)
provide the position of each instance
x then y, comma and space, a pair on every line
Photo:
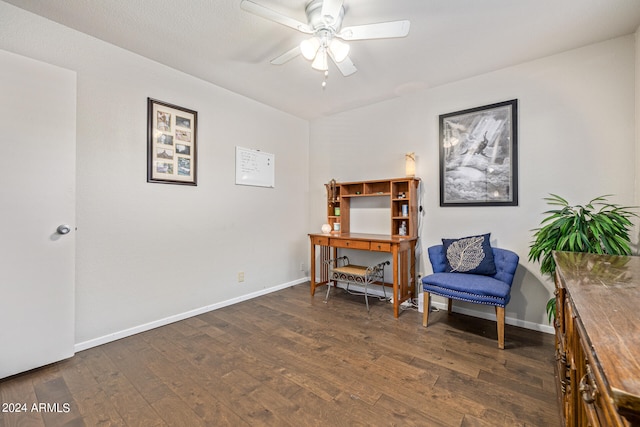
402, 249
598, 338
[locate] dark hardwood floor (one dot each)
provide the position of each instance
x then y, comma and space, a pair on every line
288, 359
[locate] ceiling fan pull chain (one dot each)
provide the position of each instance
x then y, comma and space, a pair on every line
326, 77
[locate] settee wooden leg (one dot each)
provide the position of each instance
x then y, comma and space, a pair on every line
450, 305
500, 322
426, 308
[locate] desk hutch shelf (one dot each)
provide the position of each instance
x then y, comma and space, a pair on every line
403, 199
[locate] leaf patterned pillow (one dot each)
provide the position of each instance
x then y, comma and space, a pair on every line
472, 255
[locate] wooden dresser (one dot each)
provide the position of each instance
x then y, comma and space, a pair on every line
598, 339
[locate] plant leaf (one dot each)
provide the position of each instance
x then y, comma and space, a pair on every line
581, 228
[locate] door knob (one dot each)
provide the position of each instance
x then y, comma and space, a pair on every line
63, 229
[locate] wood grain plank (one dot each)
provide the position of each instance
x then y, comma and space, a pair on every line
96, 408
200, 400
19, 395
414, 414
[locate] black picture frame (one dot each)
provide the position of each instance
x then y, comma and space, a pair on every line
172, 134
479, 156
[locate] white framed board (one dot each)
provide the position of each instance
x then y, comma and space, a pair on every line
255, 167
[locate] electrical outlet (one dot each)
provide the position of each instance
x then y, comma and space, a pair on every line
241, 276
302, 266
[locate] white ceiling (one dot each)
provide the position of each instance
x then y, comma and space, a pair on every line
449, 40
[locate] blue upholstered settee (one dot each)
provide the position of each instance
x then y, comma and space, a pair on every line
492, 290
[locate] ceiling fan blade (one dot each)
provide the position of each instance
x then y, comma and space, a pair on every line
383, 30
287, 56
331, 10
274, 16
345, 66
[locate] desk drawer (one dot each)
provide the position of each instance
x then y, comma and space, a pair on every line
350, 244
320, 240
380, 247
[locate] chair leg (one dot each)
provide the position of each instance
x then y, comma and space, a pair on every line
426, 308
450, 305
326, 297
500, 321
366, 297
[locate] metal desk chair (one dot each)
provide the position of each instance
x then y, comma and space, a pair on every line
340, 270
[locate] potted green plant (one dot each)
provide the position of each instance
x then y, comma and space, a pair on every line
598, 227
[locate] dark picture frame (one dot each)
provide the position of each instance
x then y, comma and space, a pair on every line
172, 133
479, 156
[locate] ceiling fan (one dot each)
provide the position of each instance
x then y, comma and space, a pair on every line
324, 23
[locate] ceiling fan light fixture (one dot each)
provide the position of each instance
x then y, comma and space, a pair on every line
339, 50
320, 63
309, 48
324, 24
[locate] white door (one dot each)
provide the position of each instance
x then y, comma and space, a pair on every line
37, 194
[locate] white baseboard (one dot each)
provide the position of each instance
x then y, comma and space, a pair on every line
177, 317
373, 291
548, 329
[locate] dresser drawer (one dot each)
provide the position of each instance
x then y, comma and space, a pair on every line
380, 247
350, 244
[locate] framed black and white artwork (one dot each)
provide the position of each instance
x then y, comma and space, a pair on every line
479, 156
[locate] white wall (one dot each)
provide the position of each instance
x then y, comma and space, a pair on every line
148, 252
576, 139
